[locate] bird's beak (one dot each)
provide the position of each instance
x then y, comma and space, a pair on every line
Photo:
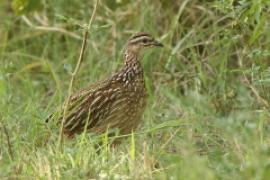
157, 43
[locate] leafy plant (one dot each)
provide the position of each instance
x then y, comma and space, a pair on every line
26, 6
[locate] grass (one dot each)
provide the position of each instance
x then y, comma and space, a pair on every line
208, 108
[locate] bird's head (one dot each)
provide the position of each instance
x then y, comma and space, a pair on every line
141, 41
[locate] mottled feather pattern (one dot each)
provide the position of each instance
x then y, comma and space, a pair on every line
116, 103
109, 104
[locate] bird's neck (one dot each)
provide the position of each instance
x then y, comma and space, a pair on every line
132, 62
132, 69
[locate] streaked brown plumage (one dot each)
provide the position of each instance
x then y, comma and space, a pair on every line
115, 103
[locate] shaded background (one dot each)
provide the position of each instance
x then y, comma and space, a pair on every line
208, 108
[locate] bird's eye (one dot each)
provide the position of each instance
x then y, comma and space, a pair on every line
145, 41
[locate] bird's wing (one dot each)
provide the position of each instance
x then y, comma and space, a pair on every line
89, 105
76, 99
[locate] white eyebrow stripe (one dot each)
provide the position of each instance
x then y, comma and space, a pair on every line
137, 39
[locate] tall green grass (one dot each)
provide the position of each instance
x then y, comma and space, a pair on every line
208, 108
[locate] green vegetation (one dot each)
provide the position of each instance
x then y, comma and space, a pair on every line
209, 88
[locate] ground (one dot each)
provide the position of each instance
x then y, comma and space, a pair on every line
208, 109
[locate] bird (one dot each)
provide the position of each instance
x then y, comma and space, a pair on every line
115, 104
